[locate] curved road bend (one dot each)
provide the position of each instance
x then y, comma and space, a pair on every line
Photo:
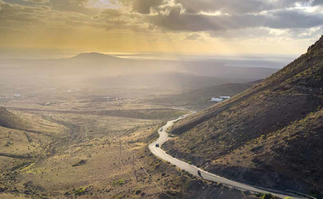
157, 151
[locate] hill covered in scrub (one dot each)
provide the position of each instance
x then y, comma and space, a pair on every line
270, 135
26, 122
10, 120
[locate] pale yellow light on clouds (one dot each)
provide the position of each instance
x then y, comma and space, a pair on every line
102, 4
90, 39
43, 27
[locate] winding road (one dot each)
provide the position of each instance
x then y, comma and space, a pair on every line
157, 151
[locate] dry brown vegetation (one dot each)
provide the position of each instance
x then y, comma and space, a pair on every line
269, 135
63, 153
80, 155
64, 120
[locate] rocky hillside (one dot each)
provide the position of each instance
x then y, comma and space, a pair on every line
270, 135
10, 120
15, 120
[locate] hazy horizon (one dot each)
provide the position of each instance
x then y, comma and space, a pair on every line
262, 61
55, 28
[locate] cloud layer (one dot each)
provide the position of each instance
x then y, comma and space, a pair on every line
189, 19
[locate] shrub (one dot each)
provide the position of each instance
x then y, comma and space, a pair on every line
119, 182
268, 196
81, 191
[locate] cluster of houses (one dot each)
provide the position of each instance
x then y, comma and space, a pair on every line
219, 99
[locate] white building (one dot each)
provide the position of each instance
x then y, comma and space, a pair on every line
225, 97
216, 99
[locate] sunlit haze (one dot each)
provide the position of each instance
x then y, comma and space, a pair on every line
161, 99
222, 27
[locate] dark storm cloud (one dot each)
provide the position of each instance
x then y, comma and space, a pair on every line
241, 6
72, 5
283, 19
173, 15
226, 6
291, 19
12, 13
144, 6
234, 7
317, 2
111, 13
199, 15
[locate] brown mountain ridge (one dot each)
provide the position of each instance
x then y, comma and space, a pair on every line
271, 135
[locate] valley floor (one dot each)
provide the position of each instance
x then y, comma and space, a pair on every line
59, 152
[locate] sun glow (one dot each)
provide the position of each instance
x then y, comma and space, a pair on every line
103, 4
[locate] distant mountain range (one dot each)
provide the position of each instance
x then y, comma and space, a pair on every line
93, 56
270, 135
97, 69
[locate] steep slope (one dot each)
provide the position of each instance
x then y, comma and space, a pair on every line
10, 120
269, 135
30, 123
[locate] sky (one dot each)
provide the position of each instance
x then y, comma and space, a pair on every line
214, 27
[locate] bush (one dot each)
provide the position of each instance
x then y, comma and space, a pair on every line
81, 191
268, 196
119, 182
